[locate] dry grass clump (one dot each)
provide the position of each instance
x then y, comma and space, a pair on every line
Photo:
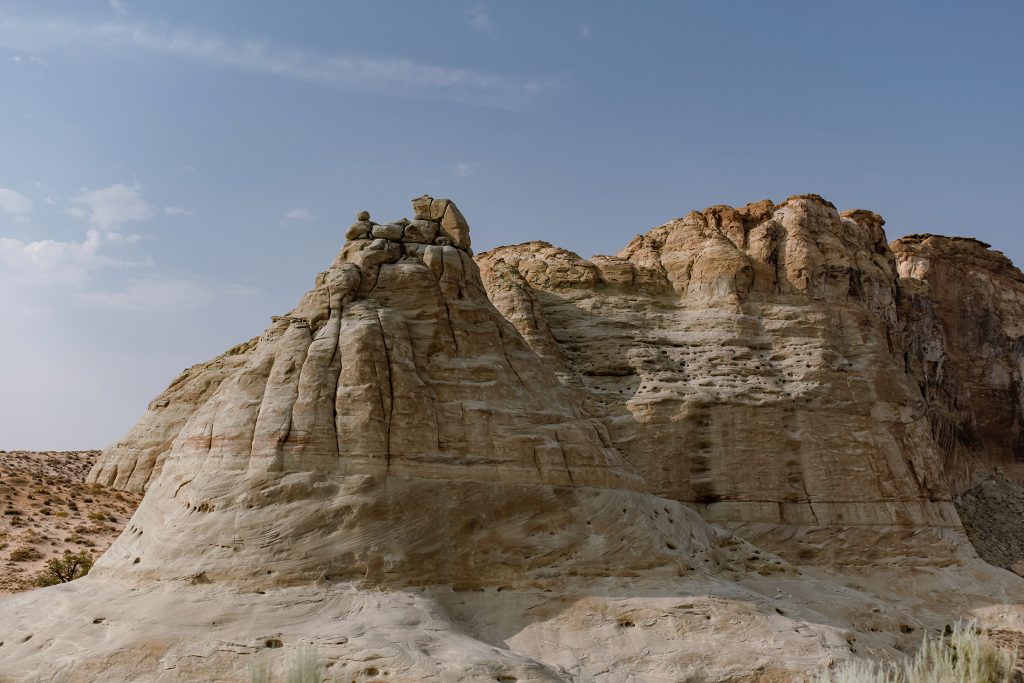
305, 668
962, 656
24, 553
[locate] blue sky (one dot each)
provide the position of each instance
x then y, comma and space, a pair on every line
173, 174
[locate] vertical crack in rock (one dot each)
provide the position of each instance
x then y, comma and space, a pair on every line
500, 330
390, 407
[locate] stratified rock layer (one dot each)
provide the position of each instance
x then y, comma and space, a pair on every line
424, 488
963, 310
748, 361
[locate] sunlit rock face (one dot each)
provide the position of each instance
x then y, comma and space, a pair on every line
369, 418
749, 361
536, 467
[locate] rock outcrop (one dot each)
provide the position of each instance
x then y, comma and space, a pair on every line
749, 362
133, 460
425, 488
963, 311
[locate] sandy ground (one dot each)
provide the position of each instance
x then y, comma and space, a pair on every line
46, 508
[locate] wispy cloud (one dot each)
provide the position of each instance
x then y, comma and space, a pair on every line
464, 169
385, 75
480, 20
112, 207
99, 271
162, 294
52, 262
298, 214
177, 211
15, 204
118, 6
584, 31
29, 59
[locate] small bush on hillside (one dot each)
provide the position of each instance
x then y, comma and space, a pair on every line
963, 656
64, 569
24, 553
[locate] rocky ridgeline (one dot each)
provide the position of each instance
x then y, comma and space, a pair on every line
727, 453
437, 222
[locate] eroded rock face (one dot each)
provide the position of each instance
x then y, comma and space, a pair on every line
424, 488
748, 361
963, 309
133, 460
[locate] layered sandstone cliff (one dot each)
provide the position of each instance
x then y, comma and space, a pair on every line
426, 485
963, 312
747, 361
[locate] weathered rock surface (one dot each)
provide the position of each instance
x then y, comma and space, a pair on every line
992, 511
963, 310
134, 459
427, 489
746, 361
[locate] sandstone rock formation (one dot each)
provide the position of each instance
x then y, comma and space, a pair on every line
132, 461
963, 310
424, 488
747, 361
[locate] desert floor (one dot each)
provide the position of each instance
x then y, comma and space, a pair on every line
47, 508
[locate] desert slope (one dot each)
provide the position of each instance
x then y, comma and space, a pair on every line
48, 509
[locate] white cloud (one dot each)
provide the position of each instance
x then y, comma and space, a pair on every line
50, 262
480, 20
120, 238
176, 211
31, 59
298, 214
389, 75
162, 295
14, 203
118, 6
464, 169
30, 270
111, 207
584, 31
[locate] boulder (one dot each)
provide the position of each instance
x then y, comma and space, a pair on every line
388, 231
454, 225
437, 209
421, 231
421, 207
359, 230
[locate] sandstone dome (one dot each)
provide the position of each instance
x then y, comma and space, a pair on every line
708, 458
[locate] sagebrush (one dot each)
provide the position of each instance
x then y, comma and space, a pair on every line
961, 656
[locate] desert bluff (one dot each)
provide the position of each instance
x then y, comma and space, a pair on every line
730, 452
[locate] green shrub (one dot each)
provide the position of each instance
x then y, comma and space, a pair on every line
63, 569
963, 656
